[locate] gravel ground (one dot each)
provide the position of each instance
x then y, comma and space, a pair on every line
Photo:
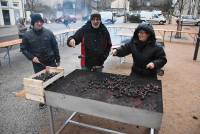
17, 115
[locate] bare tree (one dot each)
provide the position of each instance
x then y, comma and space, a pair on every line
196, 6
133, 4
46, 10
181, 5
168, 7
31, 5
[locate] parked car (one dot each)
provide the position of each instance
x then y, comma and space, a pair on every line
189, 20
86, 18
71, 18
59, 20
134, 17
152, 17
66, 18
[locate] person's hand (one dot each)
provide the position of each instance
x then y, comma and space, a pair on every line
150, 65
72, 43
97, 67
114, 52
94, 68
36, 60
58, 64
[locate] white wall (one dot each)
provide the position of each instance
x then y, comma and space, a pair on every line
120, 4
1, 18
12, 17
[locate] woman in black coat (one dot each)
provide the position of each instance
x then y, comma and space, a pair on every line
148, 57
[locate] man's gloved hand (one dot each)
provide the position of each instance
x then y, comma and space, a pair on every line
72, 43
35, 60
94, 68
150, 65
114, 52
58, 64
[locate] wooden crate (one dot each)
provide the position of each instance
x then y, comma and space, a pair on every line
35, 88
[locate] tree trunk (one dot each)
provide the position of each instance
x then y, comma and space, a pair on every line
179, 25
170, 16
179, 28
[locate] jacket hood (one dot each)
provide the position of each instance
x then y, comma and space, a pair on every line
149, 29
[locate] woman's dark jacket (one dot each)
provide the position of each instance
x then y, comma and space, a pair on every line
144, 53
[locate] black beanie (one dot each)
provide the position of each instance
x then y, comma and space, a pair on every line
95, 15
35, 18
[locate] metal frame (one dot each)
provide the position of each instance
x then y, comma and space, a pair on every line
69, 120
7, 54
97, 108
8, 46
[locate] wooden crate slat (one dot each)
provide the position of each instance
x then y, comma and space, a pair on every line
35, 88
35, 97
33, 82
48, 82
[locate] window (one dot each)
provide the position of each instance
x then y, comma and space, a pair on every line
4, 3
15, 4
185, 17
190, 17
155, 16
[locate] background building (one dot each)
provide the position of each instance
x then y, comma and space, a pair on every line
10, 11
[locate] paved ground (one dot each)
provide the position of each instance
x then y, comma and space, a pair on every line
180, 89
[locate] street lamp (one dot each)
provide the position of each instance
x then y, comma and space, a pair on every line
23, 9
125, 11
197, 46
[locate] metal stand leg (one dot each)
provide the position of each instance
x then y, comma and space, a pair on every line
63, 39
151, 131
66, 122
8, 54
69, 120
60, 39
164, 37
171, 37
95, 127
51, 120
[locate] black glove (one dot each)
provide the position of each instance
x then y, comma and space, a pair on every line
58, 64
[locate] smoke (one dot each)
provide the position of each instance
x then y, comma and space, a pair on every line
70, 7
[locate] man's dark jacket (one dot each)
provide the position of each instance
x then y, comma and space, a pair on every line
95, 44
144, 53
41, 44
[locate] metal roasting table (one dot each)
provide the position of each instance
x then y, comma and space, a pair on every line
73, 93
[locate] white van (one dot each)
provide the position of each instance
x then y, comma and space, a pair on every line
107, 17
152, 17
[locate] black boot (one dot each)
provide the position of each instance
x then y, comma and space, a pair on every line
41, 105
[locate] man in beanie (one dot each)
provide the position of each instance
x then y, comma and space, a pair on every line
95, 43
40, 46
